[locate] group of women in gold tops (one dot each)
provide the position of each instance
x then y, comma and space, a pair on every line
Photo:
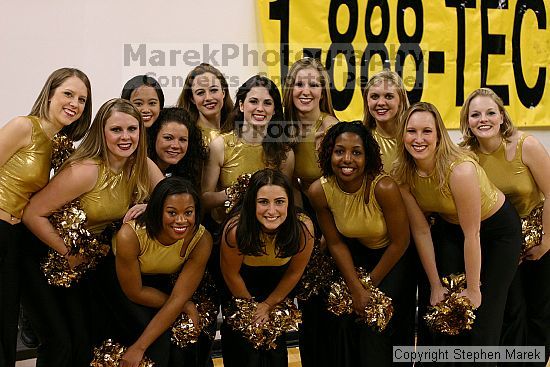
392, 194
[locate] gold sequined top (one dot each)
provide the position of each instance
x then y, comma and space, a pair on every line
353, 217
26, 172
108, 201
239, 158
208, 134
432, 200
156, 258
270, 257
513, 178
306, 167
388, 148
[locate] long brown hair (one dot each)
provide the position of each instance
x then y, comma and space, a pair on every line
185, 99
41, 107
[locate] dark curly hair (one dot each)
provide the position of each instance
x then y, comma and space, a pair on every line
373, 164
289, 240
189, 166
277, 140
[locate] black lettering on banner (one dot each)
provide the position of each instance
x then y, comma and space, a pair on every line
494, 44
279, 10
410, 45
375, 42
341, 44
529, 97
460, 5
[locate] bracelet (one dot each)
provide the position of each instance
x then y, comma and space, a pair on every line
66, 253
270, 306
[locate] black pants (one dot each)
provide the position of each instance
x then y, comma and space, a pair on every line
236, 349
58, 315
500, 237
133, 318
357, 344
10, 242
527, 316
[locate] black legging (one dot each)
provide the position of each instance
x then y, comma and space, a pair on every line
500, 237
58, 315
10, 240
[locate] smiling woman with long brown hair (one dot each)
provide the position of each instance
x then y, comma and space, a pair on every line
63, 106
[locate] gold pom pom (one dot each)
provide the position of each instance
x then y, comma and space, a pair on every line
62, 148
184, 331
284, 317
378, 311
454, 314
70, 221
236, 191
317, 274
110, 353
531, 229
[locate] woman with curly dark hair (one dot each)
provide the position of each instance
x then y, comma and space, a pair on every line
265, 247
364, 221
175, 145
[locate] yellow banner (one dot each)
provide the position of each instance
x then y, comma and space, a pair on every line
442, 49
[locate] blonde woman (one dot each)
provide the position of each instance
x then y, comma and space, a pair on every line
518, 164
63, 106
385, 101
476, 231
307, 104
108, 172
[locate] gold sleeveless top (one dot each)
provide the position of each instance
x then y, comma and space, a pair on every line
26, 172
208, 134
513, 177
432, 200
239, 158
388, 147
269, 258
156, 258
353, 217
108, 201
306, 167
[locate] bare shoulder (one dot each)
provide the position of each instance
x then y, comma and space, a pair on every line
126, 233
316, 193
86, 170
533, 147
20, 124
127, 242
386, 183
464, 170
17, 133
328, 122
